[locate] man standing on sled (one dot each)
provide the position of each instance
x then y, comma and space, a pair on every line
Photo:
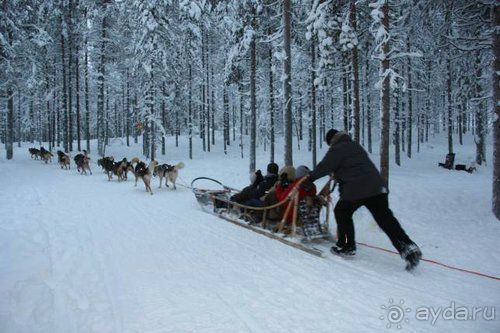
360, 184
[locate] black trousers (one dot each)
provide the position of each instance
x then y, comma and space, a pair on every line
379, 208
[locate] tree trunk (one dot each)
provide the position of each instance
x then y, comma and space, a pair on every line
87, 104
135, 119
227, 124
116, 119
9, 142
64, 93
419, 129
397, 121
240, 93
152, 117
496, 109
363, 117
9, 135
428, 98
355, 69
461, 115
70, 76
271, 102
322, 129
145, 139
152, 127
368, 106
55, 108
449, 115
309, 126
177, 127
386, 90
410, 102
101, 127
345, 101
106, 119
203, 93
207, 61
47, 108
253, 102
234, 121
226, 117
77, 91
127, 111
212, 119
190, 108
422, 127
349, 97
333, 104
313, 103
287, 82
301, 122
31, 130
480, 137
19, 119
449, 102
164, 123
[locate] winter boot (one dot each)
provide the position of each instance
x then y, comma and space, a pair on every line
346, 250
411, 254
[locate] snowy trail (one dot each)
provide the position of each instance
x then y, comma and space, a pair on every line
81, 254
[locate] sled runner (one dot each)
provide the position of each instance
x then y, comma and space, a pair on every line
306, 230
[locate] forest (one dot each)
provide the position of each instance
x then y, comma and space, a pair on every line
278, 72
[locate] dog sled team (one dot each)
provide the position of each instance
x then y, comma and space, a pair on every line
360, 184
120, 169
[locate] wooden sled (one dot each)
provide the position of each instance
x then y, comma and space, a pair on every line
240, 214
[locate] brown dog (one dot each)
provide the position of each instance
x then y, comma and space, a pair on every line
34, 153
169, 172
82, 162
46, 156
63, 159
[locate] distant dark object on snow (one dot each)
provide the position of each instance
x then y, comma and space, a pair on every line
450, 160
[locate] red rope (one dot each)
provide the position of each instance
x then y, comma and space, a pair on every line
436, 263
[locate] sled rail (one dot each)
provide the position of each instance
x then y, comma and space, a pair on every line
315, 252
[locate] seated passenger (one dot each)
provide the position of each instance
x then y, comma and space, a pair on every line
309, 206
307, 188
252, 194
289, 177
288, 182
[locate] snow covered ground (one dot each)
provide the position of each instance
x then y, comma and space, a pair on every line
81, 254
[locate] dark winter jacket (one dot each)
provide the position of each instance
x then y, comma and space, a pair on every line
356, 174
255, 191
266, 184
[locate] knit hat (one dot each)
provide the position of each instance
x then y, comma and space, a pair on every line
289, 171
301, 171
329, 135
272, 168
256, 177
